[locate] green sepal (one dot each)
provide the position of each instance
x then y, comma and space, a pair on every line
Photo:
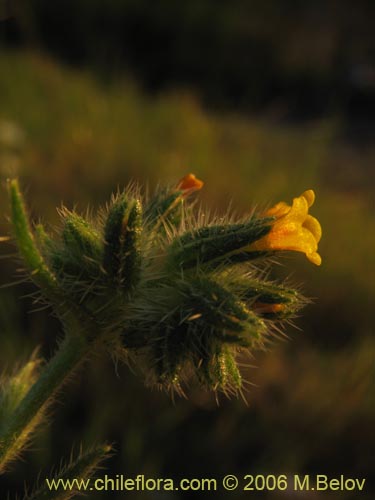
217, 369
232, 369
78, 256
228, 317
131, 247
213, 243
209, 367
81, 238
254, 291
113, 234
164, 207
122, 234
169, 355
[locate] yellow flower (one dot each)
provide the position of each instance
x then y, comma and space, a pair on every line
189, 183
294, 229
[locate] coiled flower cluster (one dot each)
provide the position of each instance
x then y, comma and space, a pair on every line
170, 292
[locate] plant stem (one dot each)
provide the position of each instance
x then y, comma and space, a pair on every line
71, 353
26, 243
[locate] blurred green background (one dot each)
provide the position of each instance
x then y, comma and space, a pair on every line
261, 100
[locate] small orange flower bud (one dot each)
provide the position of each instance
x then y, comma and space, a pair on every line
189, 183
265, 308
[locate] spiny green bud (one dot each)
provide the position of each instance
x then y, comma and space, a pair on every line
122, 234
270, 300
166, 205
80, 237
231, 368
113, 234
131, 247
211, 304
216, 242
78, 256
219, 370
192, 324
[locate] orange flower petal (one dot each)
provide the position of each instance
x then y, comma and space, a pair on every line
309, 196
189, 183
312, 224
278, 210
315, 258
294, 229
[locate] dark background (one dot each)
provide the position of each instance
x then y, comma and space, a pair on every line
261, 100
310, 58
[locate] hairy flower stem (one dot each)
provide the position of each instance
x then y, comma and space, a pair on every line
82, 335
72, 352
